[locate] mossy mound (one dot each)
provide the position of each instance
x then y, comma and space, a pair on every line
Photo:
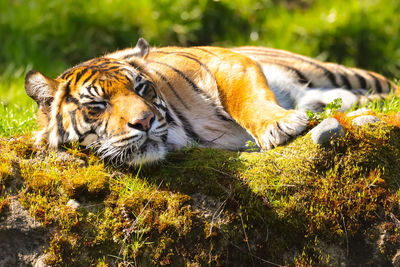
300, 204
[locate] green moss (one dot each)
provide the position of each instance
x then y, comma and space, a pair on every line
5, 171
212, 207
92, 181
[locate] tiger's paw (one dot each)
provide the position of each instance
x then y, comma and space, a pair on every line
278, 132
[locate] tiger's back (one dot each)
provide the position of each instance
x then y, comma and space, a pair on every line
297, 81
317, 74
309, 84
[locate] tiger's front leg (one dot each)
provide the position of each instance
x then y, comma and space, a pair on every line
250, 101
274, 132
270, 124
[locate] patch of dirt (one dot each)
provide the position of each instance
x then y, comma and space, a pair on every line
22, 239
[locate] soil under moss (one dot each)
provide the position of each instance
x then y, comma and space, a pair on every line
300, 204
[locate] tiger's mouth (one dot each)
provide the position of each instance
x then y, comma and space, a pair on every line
132, 153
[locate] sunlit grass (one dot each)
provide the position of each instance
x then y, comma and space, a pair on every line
16, 119
17, 110
389, 105
56, 34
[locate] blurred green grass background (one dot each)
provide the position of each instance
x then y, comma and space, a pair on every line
50, 36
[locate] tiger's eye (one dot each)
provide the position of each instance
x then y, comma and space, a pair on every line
96, 107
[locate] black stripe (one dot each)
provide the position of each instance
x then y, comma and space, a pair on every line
109, 83
127, 77
68, 88
137, 67
180, 73
129, 55
139, 87
127, 139
378, 86
301, 77
66, 74
187, 127
86, 118
160, 106
60, 128
68, 97
80, 74
90, 91
361, 80
327, 72
189, 56
95, 89
221, 116
171, 88
71, 99
110, 68
104, 63
73, 120
130, 72
162, 125
90, 76
85, 96
345, 80
105, 126
204, 50
279, 128
344, 76
169, 119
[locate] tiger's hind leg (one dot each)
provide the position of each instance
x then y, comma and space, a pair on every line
315, 99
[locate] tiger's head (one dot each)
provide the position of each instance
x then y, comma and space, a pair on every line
110, 104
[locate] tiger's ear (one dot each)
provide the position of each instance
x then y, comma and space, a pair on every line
142, 48
40, 88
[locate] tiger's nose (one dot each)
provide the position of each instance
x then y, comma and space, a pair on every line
142, 124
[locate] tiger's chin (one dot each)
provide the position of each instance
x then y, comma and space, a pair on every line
150, 152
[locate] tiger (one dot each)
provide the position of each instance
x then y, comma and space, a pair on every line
133, 106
